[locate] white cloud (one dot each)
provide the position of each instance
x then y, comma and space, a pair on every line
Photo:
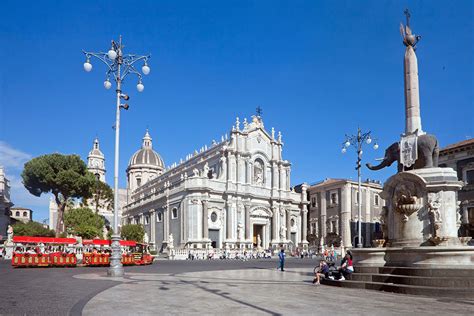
11, 157
13, 160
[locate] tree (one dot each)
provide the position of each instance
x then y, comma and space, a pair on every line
32, 229
65, 176
133, 232
100, 196
84, 222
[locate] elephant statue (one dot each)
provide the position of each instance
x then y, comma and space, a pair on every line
428, 153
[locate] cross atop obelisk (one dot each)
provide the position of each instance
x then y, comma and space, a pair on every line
412, 95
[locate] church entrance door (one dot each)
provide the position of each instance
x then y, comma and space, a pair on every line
257, 231
214, 237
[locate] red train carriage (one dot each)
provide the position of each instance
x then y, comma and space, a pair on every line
43, 252
142, 254
97, 252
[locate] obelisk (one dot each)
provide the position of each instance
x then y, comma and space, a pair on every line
412, 95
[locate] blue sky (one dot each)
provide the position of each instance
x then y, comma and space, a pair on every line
318, 69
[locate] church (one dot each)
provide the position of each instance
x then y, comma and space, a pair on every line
234, 194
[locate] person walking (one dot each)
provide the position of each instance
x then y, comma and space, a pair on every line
281, 256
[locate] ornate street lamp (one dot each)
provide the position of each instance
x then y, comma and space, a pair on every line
358, 141
118, 67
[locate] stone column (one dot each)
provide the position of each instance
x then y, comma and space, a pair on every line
280, 177
322, 211
247, 221
288, 224
275, 228
346, 216
229, 217
153, 227
249, 171
205, 229
304, 224
275, 175
166, 223
412, 96
238, 169
368, 205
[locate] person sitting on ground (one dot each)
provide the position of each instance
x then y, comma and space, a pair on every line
346, 267
323, 271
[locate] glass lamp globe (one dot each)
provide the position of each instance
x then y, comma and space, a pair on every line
112, 54
343, 150
145, 69
87, 66
107, 84
140, 87
347, 144
369, 140
376, 146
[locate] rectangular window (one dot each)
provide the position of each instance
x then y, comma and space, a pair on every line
334, 198
469, 177
147, 219
313, 202
174, 213
377, 198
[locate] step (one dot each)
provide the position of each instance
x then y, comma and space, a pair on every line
418, 271
449, 282
463, 293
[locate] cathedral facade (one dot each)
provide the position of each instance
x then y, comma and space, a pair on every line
234, 194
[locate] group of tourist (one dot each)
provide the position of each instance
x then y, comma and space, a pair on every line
41, 249
342, 273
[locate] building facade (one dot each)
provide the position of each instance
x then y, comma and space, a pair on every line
5, 204
333, 211
234, 194
21, 214
460, 157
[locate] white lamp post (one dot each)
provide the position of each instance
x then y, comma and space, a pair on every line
357, 141
118, 66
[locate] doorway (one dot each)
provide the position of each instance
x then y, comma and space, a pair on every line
257, 230
214, 237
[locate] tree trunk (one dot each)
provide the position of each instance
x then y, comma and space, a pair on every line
60, 218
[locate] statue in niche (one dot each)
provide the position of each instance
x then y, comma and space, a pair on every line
240, 231
282, 232
434, 204
259, 241
258, 172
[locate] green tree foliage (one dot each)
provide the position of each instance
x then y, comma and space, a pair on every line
132, 232
65, 176
84, 222
100, 196
32, 229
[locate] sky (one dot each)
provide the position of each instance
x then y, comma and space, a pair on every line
318, 69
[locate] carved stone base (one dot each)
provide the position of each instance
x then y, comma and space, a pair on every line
435, 257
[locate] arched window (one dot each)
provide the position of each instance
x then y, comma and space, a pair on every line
25, 214
159, 216
174, 213
139, 181
17, 213
258, 172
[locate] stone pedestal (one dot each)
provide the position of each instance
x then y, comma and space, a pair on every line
8, 250
421, 208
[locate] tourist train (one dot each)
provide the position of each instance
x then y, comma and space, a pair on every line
68, 252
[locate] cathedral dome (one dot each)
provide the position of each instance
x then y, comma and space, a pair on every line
146, 156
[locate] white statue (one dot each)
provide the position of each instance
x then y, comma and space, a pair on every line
205, 170
258, 172
282, 232
145, 238
195, 172
240, 231
170, 240
259, 241
10, 234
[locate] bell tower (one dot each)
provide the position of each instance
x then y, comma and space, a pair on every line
96, 161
